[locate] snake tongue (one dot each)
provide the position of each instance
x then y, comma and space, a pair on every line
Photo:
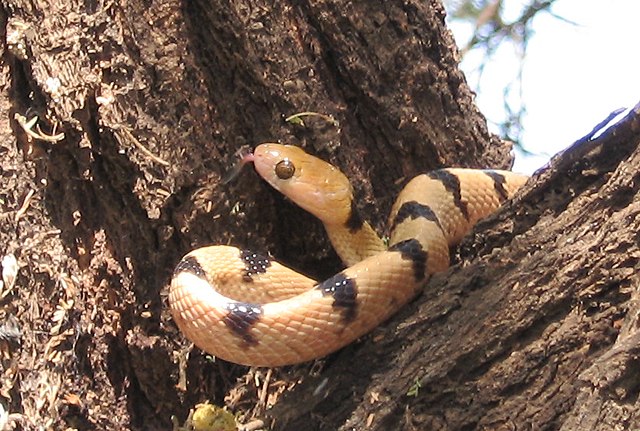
244, 155
247, 158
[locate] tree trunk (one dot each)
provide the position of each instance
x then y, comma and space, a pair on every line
536, 328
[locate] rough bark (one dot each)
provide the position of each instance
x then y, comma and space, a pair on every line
537, 331
154, 98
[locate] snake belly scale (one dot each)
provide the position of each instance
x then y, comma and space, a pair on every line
246, 308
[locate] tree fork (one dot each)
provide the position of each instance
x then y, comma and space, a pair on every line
153, 98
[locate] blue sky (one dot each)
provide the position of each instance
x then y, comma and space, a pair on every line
573, 76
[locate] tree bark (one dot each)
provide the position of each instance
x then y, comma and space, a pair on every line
536, 327
538, 330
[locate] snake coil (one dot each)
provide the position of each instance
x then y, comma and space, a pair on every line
246, 308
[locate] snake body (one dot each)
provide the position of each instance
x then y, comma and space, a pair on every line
246, 308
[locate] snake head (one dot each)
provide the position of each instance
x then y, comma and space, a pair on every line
313, 184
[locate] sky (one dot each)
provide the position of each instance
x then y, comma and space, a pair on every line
573, 75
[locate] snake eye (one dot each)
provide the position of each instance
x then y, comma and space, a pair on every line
285, 169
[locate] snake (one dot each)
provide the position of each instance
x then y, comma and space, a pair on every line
245, 307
